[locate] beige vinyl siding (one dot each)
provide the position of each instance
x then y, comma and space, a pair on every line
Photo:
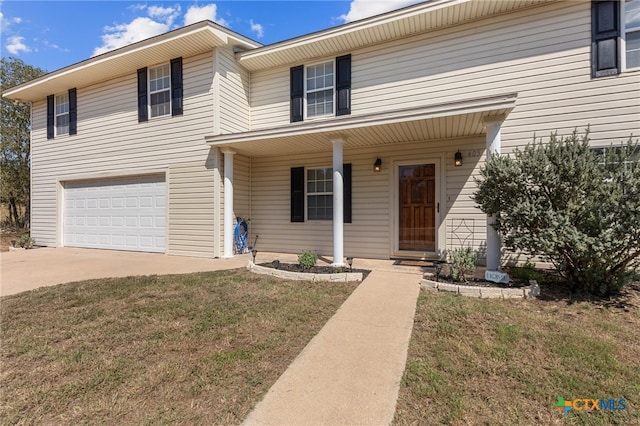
372, 232
542, 53
111, 142
233, 101
270, 98
192, 209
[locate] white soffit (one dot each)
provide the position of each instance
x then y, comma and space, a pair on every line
187, 41
431, 122
401, 23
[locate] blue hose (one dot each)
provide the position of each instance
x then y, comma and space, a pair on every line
240, 235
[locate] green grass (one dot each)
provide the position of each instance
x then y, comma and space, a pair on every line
506, 362
183, 349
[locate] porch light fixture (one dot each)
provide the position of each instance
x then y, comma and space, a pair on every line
377, 166
350, 262
457, 160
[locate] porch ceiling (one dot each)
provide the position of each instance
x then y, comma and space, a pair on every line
455, 119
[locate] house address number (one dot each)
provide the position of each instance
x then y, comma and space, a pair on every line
474, 153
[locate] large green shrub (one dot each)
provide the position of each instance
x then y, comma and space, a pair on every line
577, 207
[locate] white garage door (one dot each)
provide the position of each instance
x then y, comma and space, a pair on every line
119, 214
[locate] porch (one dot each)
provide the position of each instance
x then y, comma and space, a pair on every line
368, 160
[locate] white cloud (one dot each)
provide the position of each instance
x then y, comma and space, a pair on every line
257, 28
166, 14
159, 20
360, 9
125, 34
5, 23
15, 45
200, 13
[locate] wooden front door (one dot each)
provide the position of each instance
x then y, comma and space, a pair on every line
417, 210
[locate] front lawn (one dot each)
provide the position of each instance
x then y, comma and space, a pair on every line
183, 349
481, 361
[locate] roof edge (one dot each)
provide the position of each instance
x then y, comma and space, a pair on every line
224, 34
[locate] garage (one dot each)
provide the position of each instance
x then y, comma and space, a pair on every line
118, 214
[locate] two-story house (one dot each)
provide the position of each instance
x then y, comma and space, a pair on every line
360, 140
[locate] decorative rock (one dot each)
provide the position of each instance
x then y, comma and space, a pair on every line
497, 277
533, 290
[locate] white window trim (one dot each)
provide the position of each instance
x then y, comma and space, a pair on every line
623, 38
149, 92
56, 115
307, 194
333, 88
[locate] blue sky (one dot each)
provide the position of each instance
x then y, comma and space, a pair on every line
53, 34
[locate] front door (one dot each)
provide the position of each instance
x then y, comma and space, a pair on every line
417, 210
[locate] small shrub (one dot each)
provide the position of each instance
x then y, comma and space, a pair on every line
307, 259
526, 272
26, 241
463, 263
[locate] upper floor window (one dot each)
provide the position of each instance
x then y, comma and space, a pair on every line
62, 114
319, 89
631, 37
160, 90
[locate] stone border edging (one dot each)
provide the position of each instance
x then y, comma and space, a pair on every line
304, 276
483, 292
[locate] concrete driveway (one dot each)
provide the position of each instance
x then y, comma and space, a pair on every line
29, 269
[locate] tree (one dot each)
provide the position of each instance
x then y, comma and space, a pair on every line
577, 207
15, 127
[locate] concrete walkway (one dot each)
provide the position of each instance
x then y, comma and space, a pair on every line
349, 374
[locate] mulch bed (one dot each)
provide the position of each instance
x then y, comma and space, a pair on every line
479, 282
295, 267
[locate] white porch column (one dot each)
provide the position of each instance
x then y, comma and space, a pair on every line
338, 203
493, 239
228, 202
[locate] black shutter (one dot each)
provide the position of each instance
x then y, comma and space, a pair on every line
51, 116
343, 85
297, 194
346, 194
176, 86
297, 93
143, 109
605, 34
73, 111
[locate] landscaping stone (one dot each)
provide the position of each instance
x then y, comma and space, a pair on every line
467, 290
429, 285
533, 290
453, 288
512, 293
305, 276
490, 293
